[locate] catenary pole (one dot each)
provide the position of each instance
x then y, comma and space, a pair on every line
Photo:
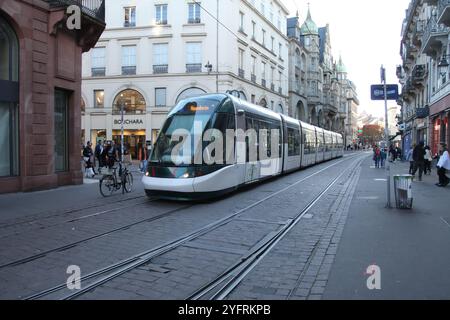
386, 136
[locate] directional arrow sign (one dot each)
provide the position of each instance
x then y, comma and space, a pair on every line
377, 92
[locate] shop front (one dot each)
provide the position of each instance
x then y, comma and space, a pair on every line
134, 141
134, 134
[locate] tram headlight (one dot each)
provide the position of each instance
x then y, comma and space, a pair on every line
186, 175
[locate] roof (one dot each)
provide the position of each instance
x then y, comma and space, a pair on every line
309, 27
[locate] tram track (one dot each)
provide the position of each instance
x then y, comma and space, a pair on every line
113, 271
38, 217
225, 283
97, 236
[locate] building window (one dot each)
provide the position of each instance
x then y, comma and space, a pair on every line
160, 97
272, 44
9, 99
253, 29
280, 50
241, 63
263, 37
241, 22
61, 122
98, 67
130, 17
99, 98
194, 13
193, 57
160, 58
161, 14
253, 69
132, 102
253, 98
128, 60
263, 7
263, 73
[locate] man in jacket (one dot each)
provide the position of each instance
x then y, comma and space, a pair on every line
419, 159
443, 165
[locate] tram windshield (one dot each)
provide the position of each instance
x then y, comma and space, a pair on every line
189, 120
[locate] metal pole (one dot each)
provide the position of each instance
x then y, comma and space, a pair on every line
217, 49
386, 134
121, 131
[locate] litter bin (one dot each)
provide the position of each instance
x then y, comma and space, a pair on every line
403, 191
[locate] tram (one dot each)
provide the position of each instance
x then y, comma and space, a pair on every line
213, 144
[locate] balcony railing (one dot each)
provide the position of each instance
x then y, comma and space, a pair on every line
432, 36
241, 73
443, 12
129, 70
161, 22
161, 68
129, 24
194, 20
419, 73
98, 72
193, 67
92, 8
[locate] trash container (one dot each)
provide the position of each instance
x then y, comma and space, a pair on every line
403, 191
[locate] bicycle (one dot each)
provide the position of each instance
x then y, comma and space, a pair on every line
110, 182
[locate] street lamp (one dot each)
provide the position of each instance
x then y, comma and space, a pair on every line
443, 66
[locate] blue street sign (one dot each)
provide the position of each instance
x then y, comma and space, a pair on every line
377, 92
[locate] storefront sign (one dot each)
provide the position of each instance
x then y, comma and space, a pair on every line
129, 122
422, 112
420, 123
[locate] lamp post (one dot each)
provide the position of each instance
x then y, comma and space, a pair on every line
386, 134
121, 129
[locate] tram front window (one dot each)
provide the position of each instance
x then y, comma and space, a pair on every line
189, 120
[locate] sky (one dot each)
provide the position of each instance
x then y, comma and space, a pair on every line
366, 34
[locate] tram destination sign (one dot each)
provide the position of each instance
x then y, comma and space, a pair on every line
377, 92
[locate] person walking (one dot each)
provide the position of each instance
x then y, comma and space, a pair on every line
377, 156
443, 165
87, 154
383, 157
409, 157
98, 155
428, 160
419, 159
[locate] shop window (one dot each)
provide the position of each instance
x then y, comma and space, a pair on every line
61, 122
99, 98
132, 102
9, 99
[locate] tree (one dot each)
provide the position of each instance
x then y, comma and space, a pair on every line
372, 134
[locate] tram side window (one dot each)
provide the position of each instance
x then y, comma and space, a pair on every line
293, 142
309, 142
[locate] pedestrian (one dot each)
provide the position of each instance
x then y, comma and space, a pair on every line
98, 155
428, 160
377, 156
87, 154
383, 157
443, 165
409, 157
419, 159
391, 153
398, 153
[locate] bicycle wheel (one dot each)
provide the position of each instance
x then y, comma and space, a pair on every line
107, 186
128, 182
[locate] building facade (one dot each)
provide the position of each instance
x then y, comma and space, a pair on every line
319, 90
40, 81
424, 74
156, 53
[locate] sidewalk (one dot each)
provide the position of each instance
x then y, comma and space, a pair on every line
411, 247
